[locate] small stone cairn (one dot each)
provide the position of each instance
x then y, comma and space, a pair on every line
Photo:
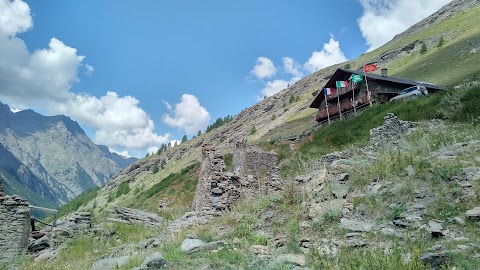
390, 131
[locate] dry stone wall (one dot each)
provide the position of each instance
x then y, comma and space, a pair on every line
390, 131
257, 169
217, 189
14, 225
2, 192
254, 172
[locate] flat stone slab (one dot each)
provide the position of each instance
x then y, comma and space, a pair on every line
355, 225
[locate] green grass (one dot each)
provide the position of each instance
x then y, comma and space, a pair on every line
180, 186
122, 189
367, 259
78, 201
228, 159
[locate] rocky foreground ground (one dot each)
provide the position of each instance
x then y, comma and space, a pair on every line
413, 192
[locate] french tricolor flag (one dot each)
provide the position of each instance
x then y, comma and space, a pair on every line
328, 91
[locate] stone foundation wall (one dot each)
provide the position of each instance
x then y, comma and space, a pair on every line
14, 226
257, 169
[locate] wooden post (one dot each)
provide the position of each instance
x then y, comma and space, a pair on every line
326, 106
47, 210
366, 82
353, 101
338, 103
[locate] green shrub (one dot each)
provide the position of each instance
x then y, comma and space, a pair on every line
155, 169
470, 109
424, 49
441, 42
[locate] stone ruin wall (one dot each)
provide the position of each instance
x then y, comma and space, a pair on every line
257, 169
217, 189
254, 172
14, 225
390, 131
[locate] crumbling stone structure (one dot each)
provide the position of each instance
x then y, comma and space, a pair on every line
217, 189
257, 169
255, 172
14, 225
390, 131
2, 192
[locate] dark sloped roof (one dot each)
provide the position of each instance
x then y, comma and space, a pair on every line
344, 74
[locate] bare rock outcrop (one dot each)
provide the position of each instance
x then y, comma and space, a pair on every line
131, 216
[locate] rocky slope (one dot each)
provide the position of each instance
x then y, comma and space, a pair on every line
276, 118
50, 160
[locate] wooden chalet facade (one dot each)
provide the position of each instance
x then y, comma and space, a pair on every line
381, 88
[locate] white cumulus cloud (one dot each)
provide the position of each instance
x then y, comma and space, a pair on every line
264, 68
292, 67
383, 19
152, 150
119, 121
46, 74
188, 115
330, 54
275, 86
14, 17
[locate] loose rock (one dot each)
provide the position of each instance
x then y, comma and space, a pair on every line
436, 260
188, 245
154, 261
110, 263
473, 213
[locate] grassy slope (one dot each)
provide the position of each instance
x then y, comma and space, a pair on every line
449, 65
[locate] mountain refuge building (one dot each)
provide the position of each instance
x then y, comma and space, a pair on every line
349, 89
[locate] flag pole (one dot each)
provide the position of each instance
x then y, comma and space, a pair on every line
326, 106
353, 99
366, 82
338, 103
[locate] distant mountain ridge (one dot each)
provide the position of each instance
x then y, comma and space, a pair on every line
49, 159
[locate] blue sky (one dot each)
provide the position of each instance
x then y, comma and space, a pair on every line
136, 74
